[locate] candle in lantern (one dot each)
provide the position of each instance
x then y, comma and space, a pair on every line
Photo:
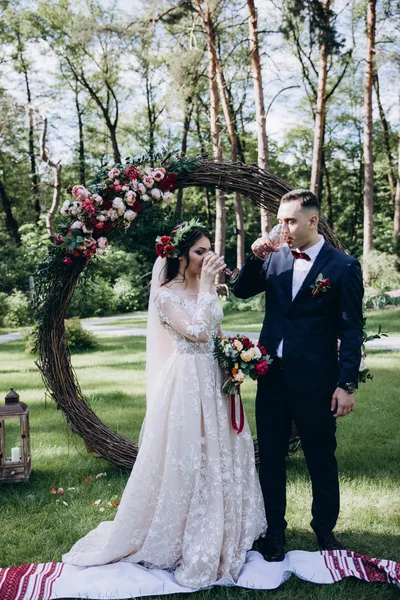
15, 454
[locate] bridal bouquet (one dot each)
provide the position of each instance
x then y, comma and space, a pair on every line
239, 357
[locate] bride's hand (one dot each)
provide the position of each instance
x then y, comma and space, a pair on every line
212, 265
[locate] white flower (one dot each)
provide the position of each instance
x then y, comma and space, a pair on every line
86, 230
100, 251
141, 188
129, 215
145, 197
168, 197
125, 188
257, 353
247, 355
133, 184
63, 212
101, 218
112, 214
238, 345
113, 173
156, 193
66, 204
102, 242
240, 376
119, 205
77, 225
148, 181
75, 208
130, 197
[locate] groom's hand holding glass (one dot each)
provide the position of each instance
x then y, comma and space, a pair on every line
271, 242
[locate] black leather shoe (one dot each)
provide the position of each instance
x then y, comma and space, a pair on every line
272, 547
329, 542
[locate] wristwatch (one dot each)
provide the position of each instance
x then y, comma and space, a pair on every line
350, 388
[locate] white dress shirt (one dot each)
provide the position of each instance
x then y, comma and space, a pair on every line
301, 268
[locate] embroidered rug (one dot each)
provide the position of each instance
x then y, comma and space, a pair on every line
121, 580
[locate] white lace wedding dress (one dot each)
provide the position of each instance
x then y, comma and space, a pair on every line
193, 502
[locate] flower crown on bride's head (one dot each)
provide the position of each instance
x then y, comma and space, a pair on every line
168, 246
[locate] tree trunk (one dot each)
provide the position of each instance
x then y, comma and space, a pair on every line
368, 132
386, 140
56, 182
232, 131
262, 139
204, 153
319, 127
82, 166
186, 126
11, 222
220, 210
396, 219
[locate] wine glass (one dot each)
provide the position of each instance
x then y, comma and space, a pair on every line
274, 240
232, 275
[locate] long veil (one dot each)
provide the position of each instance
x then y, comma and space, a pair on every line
158, 343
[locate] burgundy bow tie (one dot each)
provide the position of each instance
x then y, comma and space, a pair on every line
303, 255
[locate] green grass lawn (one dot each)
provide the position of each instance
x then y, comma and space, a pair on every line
34, 528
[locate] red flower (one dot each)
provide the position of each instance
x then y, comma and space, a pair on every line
85, 480
67, 261
247, 343
107, 227
92, 222
53, 490
165, 239
160, 250
99, 225
168, 183
115, 504
261, 368
136, 206
168, 249
131, 173
117, 188
76, 253
59, 239
262, 349
107, 205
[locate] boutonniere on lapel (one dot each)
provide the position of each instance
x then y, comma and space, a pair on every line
321, 284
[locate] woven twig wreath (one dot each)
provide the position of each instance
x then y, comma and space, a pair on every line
258, 186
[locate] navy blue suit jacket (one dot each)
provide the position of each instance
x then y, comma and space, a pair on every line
310, 325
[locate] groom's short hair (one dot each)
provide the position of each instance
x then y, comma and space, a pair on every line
308, 199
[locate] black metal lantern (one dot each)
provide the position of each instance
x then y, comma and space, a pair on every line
15, 451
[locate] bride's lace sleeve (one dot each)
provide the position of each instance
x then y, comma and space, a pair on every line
196, 328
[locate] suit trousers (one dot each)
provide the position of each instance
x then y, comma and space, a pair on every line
277, 404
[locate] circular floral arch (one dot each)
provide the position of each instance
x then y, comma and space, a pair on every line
58, 280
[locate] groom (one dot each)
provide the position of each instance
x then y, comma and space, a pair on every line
313, 297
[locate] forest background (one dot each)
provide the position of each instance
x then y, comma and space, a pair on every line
308, 89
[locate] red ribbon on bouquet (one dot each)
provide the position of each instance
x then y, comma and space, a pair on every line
237, 427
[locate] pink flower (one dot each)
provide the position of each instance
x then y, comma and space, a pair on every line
67, 261
130, 197
79, 191
148, 181
117, 188
88, 207
102, 242
113, 173
158, 174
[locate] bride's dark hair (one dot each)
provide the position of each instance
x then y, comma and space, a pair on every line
187, 242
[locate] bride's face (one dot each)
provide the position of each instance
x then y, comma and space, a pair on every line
196, 256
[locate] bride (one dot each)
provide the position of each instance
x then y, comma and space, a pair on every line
193, 501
